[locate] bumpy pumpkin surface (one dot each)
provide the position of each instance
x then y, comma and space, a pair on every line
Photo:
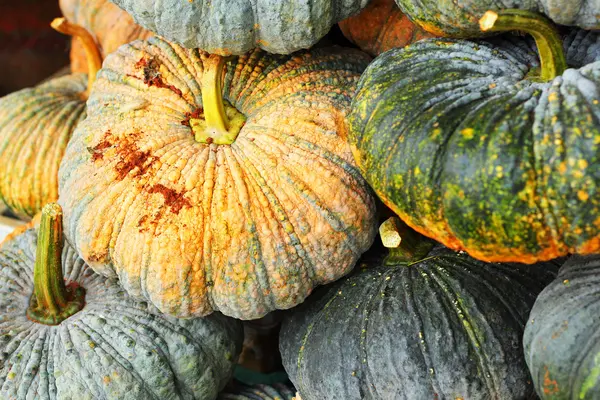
35, 127
561, 338
467, 146
443, 327
237, 26
113, 348
110, 26
381, 26
278, 391
193, 227
459, 18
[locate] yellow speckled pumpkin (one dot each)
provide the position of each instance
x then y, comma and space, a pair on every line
381, 26
204, 185
108, 24
35, 126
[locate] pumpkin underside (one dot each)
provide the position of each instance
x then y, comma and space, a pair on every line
446, 327
35, 127
114, 348
243, 228
478, 156
228, 27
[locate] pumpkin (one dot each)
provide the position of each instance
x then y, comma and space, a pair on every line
108, 24
561, 338
475, 145
210, 185
235, 27
82, 337
421, 323
460, 18
277, 391
381, 26
35, 126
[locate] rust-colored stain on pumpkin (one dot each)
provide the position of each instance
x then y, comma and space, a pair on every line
173, 199
97, 151
550, 386
197, 114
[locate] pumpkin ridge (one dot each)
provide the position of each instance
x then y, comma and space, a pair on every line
454, 304
113, 353
67, 341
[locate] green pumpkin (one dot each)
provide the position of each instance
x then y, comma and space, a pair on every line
475, 145
460, 18
35, 127
237, 26
84, 338
277, 391
421, 324
561, 338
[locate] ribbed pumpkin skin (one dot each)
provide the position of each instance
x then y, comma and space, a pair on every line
561, 338
259, 392
465, 149
108, 24
381, 26
446, 327
237, 26
114, 348
460, 18
244, 228
35, 127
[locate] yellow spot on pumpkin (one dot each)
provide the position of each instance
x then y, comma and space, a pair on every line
11, 376
492, 85
578, 174
550, 386
106, 379
554, 120
582, 164
595, 101
92, 345
552, 96
566, 282
583, 196
562, 167
417, 171
467, 133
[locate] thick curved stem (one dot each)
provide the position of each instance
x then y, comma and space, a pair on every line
547, 39
405, 245
94, 60
52, 302
212, 97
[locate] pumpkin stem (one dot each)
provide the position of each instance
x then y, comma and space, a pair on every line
52, 302
94, 60
547, 39
221, 122
405, 245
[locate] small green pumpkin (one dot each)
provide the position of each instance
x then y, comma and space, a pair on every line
460, 18
276, 391
420, 324
561, 338
228, 27
35, 127
210, 185
476, 145
86, 339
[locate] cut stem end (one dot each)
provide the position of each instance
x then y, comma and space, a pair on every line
405, 245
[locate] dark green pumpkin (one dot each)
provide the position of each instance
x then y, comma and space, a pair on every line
444, 326
97, 342
277, 391
459, 18
468, 145
561, 338
227, 27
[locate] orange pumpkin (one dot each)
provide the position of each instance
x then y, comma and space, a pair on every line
110, 26
381, 26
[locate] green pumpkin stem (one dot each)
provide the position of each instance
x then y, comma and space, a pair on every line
94, 60
52, 302
405, 245
220, 122
547, 39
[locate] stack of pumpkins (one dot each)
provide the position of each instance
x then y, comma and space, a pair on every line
207, 170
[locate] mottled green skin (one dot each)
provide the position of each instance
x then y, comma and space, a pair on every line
460, 18
466, 149
445, 327
278, 391
562, 347
237, 26
35, 127
114, 348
